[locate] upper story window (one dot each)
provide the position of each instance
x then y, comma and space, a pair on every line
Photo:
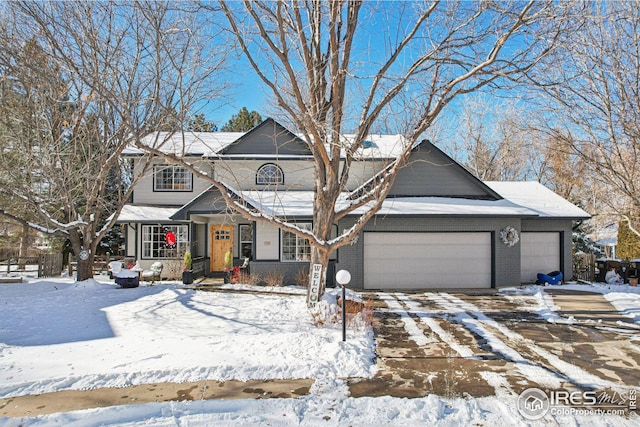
269, 174
172, 178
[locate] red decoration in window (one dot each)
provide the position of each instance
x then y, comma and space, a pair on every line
170, 239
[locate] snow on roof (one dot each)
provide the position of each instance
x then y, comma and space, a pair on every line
608, 241
210, 144
281, 203
187, 143
451, 207
521, 199
137, 213
530, 199
538, 198
379, 146
300, 203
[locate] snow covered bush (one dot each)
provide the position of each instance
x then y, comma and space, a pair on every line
329, 311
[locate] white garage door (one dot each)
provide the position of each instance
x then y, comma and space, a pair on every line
427, 260
539, 253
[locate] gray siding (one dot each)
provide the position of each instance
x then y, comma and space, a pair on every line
210, 202
144, 194
430, 172
506, 269
289, 269
268, 138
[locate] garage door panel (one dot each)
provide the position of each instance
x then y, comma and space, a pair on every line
539, 253
427, 260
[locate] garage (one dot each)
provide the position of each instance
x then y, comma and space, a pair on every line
427, 260
539, 253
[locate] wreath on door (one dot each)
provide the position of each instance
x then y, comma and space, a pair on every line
509, 236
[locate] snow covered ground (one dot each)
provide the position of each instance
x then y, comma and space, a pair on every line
59, 335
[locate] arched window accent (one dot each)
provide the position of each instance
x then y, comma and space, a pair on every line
269, 174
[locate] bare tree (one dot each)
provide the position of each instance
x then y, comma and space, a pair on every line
317, 61
82, 81
593, 95
493, 140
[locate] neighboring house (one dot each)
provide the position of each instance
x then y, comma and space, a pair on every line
440, 227
606, 238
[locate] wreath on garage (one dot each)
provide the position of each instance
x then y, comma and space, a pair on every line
509, 236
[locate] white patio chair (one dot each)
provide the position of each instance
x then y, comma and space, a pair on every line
153, 273
114, 268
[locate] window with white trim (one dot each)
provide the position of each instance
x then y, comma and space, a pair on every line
269, 174
246, 241
154, 241
172, 178
296, 248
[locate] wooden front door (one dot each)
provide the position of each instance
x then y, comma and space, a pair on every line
221, 240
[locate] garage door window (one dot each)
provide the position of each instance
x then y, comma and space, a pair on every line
296, 248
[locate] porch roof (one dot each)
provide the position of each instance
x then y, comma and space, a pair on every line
138, 213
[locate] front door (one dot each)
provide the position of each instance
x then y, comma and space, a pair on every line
221, 238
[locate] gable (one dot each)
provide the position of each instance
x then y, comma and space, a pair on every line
268, 138
430, 172
207, 202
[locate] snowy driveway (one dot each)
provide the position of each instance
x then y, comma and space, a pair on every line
460, 345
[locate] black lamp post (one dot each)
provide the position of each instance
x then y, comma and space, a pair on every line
343, 277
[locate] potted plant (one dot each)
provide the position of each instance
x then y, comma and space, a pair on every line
228, 265
187, 272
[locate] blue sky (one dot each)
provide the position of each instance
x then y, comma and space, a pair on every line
378, 31
245, 90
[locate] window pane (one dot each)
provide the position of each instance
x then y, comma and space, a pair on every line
171, 178
296, 248
269, 174
246, 241
246, 249
154, 244
246, 233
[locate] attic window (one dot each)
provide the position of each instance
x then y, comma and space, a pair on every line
269, 174
369, 144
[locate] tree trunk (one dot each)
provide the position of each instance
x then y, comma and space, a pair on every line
85, 268
24, 246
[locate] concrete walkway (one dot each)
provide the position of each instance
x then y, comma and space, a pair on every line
73, 400
586, 306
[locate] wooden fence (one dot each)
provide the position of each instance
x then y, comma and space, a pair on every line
44, 265
584, 267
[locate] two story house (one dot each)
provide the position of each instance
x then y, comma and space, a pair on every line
440, 227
